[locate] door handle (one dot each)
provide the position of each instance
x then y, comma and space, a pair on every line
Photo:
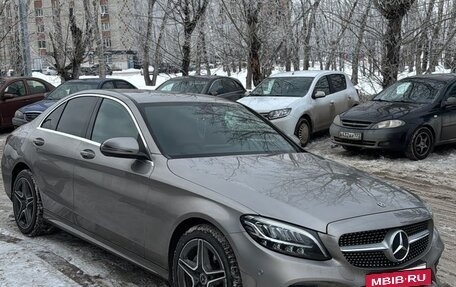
332, 102
38, 141
88, 154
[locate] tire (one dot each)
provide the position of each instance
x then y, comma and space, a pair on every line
351, 148
27, 206
222, 261
304, 132
420, 145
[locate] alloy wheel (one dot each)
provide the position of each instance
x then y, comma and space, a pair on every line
200, 265
423, 143
23, 203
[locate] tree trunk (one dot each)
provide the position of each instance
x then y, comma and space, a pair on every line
393, 38
357, 52
146, 44
98, 40
308, 35
158, 47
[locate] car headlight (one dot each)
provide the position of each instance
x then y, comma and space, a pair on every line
19, 115
389, 124
337, 121
285, 238
277, 114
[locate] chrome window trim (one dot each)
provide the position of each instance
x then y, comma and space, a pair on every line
88, 140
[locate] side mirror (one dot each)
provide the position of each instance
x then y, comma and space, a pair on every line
247, 93
320, 94
450, 102
123, 147
46, 94
215, 93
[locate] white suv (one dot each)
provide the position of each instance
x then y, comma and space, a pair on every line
303, 102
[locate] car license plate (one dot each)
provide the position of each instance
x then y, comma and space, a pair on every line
406, 278
350, 135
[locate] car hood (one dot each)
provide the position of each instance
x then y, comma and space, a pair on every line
375, 111
267, 104
40, 106
300, 188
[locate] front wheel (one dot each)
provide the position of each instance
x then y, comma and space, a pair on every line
204, 258
421, 144
304, 132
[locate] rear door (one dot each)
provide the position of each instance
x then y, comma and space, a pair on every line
36, 89
110, 192
448, 117
54, 153
339, 93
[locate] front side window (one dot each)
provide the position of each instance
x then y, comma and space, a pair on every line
231, 86
124, 85
216, 88
113, 121
108, 85
76, 116
411, 92
186, 85
322, 86
16, 89
283, 87
208, 129
52, 120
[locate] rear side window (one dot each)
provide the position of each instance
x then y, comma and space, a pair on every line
338, 83
76, 116
53, 119
108, 85
113, 121
36, 87
231, 86
124, 85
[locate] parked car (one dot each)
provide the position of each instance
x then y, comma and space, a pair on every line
224, 87
168, 68
411, 116
29, 112
302, 103
198, 188
49, 70
18, 92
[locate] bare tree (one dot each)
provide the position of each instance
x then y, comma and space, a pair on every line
98, 39
359, 43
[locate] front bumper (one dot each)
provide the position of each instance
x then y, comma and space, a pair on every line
288, 126
262, 267
389, 139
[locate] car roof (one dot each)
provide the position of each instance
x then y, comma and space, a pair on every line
203, 77
150, 96
20, 78
443, 77
312, 74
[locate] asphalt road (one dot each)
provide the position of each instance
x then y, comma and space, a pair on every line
61, 259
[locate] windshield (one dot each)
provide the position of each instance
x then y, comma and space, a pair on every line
69, 88
208, 129
411, 92
283, 87
187, 85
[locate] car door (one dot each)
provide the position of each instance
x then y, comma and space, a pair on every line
54, 153
36, 90
448, 116
109, 193
14, 97
323, 108
339, 93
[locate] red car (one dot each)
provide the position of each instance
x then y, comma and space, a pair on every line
18, 92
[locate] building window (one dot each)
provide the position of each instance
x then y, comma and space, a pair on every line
108, 59
40, 28
42, 44
39, 12
105, 26
104, 10
107, 42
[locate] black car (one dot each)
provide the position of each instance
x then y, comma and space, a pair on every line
413, 115
30, 112
224, 87
95, 70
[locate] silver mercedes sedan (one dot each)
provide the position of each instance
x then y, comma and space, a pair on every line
205, 192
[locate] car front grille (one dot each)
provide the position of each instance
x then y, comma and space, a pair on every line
377, 258
355, 124
355, 142
31, 116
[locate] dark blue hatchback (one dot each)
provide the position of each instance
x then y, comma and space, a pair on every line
30, 112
